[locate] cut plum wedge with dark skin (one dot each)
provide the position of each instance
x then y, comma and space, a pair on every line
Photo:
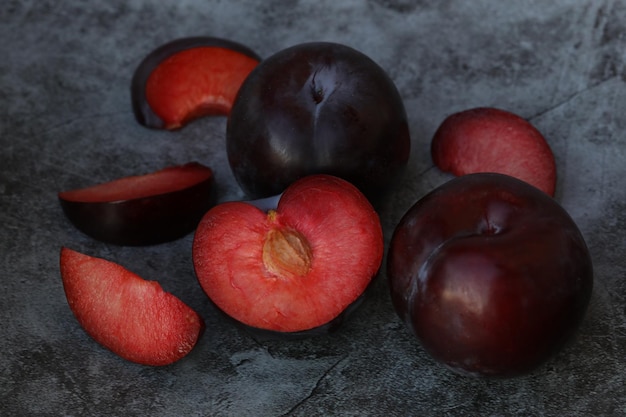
145, 209
132, 317
293, 269
189, 78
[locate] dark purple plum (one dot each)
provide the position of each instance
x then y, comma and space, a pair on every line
491, 275
315, 108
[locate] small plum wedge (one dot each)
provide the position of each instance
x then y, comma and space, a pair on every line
189, 78
295, 268
144, 209
486, 139
132, 317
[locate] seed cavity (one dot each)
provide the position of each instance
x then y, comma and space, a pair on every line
287, 253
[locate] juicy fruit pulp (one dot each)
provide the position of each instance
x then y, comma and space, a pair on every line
486, 139
317, 108
293, 268
189, 78
128, 315
491, 275
143, 209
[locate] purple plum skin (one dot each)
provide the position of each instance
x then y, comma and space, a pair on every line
317, 108
491, 275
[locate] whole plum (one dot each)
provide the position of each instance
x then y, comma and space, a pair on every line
491, 274
317, 108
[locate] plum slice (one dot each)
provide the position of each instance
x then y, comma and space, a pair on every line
144, 209
189, 78
486, 139
132, 317
293, 269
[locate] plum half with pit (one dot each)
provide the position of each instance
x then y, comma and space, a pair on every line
317, 108
293, 269
491, 275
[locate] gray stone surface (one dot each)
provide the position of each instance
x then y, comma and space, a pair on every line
65, 121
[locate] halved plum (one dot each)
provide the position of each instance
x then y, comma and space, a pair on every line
294, 270
189, 78
145, 209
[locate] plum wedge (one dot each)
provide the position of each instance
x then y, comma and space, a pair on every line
189, 78
144, 209
486, 139
132, 317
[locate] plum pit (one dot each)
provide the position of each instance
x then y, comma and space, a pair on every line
287, 253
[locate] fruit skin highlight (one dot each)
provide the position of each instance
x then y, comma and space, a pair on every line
491, 275
486, 139
143, 209
317, 108
189, 78
293, 269
134, 318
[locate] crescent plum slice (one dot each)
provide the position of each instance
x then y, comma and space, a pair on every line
486, 139
293, 268
189, 78
132, 317
142, 209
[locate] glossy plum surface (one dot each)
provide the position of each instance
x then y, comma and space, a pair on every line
144, 209
491, 274
317, 108
296, 269
188, 78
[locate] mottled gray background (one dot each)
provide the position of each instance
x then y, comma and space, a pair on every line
66, 121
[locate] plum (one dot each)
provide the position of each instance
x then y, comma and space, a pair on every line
294, 269
491, 275
317, 108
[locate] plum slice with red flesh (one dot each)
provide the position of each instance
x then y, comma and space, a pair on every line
295, 268
189, 78
486, 139
144, 209
132, 317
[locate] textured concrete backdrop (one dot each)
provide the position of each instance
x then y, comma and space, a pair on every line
66, 122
